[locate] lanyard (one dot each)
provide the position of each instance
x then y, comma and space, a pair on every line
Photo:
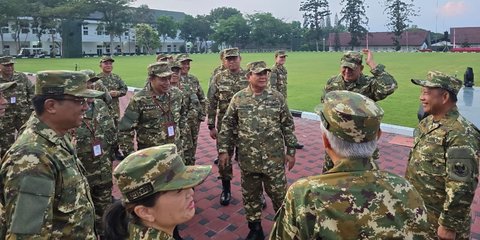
94, 127
165, 112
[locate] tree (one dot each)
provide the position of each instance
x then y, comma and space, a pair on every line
399, 13
232, 31
296, 35
166, 27
147, 37
187, 29
113, 18
222, 13
353, 15
202, 31
267, 31
314, 12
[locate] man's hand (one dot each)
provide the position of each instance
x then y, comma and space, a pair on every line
370, 62
289, 161
213, 133
222, 159
445, 233
114, 93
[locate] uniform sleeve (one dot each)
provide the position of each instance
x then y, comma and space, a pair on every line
212, 96
273, 79
327, 88
179, 117
127, 126
288, 126
29, 190
461, 180
229, 126
105, 97
30, 91
203, 101
107, 123
286, 226
122, 87
383, 83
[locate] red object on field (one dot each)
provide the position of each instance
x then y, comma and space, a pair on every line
474, 49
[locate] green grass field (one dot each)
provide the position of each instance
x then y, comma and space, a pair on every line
307, 74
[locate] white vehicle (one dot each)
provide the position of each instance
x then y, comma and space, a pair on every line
32, 52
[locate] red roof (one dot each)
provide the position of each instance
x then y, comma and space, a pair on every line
465, 34
415, 38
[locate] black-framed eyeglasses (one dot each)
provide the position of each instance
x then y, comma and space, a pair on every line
79, 101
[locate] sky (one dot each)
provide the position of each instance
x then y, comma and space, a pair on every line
434, 15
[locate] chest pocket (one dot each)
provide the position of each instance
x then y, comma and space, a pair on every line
150, 116
225, 93
72, 185
432, 155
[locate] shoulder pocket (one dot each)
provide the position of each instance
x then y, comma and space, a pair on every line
32, 204
460, 164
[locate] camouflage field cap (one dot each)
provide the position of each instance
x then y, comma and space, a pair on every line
231, 52
350, 116
106, 59
161, 57
7, 85
175, 64
160, 69
436, 79
257, 67
280, 53
155, 169
6, 60
92, 77
58, 82
183, 57
351, 59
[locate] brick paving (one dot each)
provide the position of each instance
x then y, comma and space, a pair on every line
213, 221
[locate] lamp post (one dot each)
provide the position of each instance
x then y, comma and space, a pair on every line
324, 44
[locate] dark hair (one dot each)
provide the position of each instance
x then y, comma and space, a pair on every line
117, 216
39, 104
452, 96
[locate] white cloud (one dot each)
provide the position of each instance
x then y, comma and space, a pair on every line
453, 8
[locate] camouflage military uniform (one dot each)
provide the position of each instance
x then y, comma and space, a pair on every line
443, 165
113, 82
97, 131
156, 119
194, 98
18, 110
224, 85
217, 70
278, 79
353, 200
139, 232
265, 127
45, 194
376, 87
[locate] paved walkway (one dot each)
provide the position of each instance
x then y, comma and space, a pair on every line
213, 221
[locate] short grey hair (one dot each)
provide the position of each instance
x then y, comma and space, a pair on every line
348, 149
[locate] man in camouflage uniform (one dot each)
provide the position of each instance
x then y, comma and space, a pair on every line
94, 141
194, 98
98, 85
45, 194
278, 77
353, 200
3, 101
443, 163
153, 113
19, 102
162, 58
115, 85
351, 78
264, 124
221, 90
223, 66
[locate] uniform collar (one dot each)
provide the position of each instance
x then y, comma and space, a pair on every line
352, 165
267, 91
142, 232
49, 134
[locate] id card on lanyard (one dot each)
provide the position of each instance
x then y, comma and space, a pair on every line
170, 128
97, 148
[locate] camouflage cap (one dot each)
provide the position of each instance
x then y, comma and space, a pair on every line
436, 79
350, 116
231, 52
183, 57
160, 69
6, 60
280, 53
92, 77
161, 57
58, 82
155, 169
7, 85
257, 67
351, 59
106, 59
175, 64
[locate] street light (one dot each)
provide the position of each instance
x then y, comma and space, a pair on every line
324, 44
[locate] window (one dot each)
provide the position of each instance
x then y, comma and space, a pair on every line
5, 30
85, 30
25, 30
52, 31
35, 30
126, 33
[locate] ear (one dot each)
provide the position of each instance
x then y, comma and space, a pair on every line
50, 106
326, 143
445, 97
144, 213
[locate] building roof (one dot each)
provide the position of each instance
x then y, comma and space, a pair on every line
465, 34
416, 37
177, 16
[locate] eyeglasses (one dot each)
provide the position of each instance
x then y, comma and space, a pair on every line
79, 101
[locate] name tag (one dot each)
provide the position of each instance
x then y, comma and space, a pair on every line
170, 129
97, 149
13, 100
